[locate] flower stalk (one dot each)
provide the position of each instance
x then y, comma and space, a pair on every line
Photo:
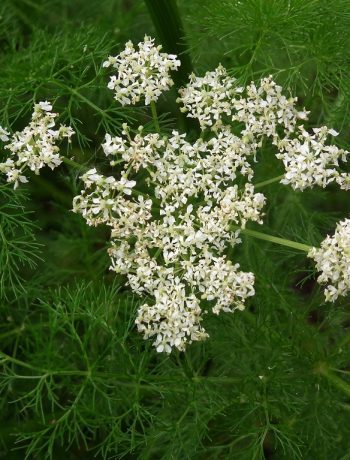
154, 116
332, 378
273, 180
275, 239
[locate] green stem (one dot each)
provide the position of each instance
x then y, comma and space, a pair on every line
269, 181
16, 331
277, 240
73, 163
76, 165
154, 116
339, 383
21, 329
84, 99
42, 372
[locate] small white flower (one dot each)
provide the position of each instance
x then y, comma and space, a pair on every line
264, 108
209, 98
126, 185
174, 319
46, 106
4, 134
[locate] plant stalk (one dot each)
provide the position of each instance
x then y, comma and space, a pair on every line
269, 181
276, 239
336, 381
154, 116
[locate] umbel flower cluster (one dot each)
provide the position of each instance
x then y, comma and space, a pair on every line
171, 240
35, 146
171, 228
178, 206
216, 100
144, 73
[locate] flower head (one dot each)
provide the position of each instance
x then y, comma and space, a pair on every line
209, 98
169, 244
141, 74
35, 146
171, 239
266, 111
4, 134
309, 161
333, 261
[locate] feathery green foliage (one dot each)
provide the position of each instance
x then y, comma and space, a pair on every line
19, 250
304, 45
77, 380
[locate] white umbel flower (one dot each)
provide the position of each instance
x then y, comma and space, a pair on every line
263, 109
171, 239
140, 151
174, 319
209, 98
309, 161
333, 261
142, 74
35, 146
170, 245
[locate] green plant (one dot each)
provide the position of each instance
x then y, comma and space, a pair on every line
77, 379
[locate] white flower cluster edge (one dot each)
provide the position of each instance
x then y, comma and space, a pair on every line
35, 146
333, 261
